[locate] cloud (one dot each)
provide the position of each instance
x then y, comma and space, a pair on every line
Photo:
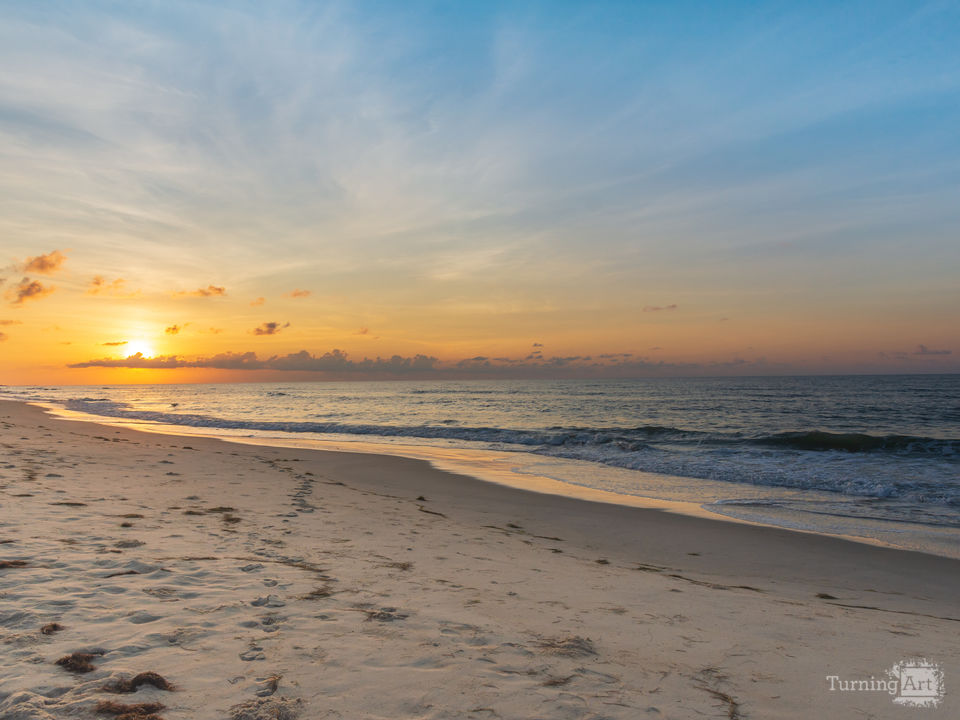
208, 291
924, 350
540, 345
115, 344
338, 362
213, 331
300, 293
45, 264
10, 322
3, 336
362, 331
135, 361
28, 289
269, 328
257, 302
333, 361
117, 288
172, 330
658, 308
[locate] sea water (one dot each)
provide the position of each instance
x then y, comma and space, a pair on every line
876, 457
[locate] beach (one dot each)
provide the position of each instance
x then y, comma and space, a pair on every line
263, 582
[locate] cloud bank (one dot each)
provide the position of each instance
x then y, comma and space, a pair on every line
338, 363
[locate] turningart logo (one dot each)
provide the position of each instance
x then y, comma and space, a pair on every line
914, 682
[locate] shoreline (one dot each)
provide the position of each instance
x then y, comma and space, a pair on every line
485, 576
482, 465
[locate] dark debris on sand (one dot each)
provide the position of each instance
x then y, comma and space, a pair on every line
137, 711
51, 628
266, 709
318, 593
574, 646
78, 662
132, 685
387, 614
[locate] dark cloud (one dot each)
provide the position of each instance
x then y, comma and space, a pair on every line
924, 350
208, 291
28, 289
538, 345
270, 328
658, 308
45, 264
172, 330
475, 363
298, 293
115, 344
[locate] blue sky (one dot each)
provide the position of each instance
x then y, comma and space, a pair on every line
521, 165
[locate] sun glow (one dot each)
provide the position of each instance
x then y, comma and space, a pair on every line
138, 346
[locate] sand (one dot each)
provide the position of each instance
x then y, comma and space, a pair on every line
258, 582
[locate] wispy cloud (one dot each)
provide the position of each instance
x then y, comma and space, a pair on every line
208, 291
118, 343
269, 328
114, 288
172, 330
299, 294
3, 336
10, 322
658, 308
257, 302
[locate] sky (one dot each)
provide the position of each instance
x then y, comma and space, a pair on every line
212, 191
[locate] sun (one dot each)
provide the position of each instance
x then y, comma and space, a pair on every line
138, 346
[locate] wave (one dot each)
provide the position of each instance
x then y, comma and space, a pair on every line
626, 439
818, 440
915, 469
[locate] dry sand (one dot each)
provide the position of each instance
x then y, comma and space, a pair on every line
276, 583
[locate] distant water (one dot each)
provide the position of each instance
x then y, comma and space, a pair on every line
877, 456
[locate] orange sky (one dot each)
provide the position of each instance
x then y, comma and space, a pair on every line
77, 317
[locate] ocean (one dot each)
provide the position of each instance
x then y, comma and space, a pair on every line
872, 457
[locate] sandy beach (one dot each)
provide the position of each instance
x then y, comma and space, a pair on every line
197, 578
